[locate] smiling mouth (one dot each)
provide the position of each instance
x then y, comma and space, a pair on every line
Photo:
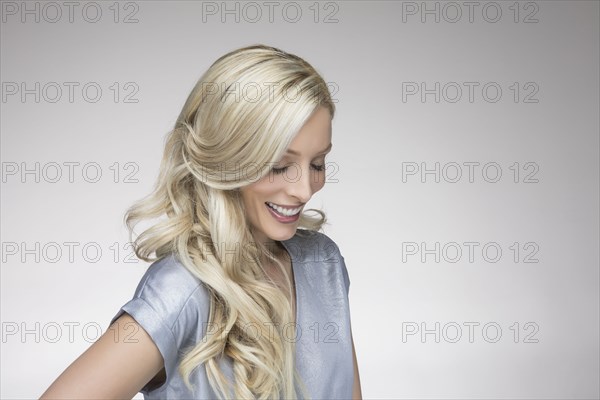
284, 211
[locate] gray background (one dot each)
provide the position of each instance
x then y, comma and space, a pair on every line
371, 54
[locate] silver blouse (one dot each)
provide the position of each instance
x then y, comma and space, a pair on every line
172, 305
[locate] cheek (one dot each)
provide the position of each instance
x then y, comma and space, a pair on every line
317, 182
265, 188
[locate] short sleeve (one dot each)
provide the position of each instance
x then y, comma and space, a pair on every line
339, 259
345, 273
166, 306
332, 254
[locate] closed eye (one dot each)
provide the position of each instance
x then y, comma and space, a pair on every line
317, 168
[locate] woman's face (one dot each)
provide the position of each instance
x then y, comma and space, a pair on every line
291, 183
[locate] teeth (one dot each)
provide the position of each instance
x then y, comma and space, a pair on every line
284, 211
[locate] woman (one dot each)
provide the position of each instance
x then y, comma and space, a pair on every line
245, 298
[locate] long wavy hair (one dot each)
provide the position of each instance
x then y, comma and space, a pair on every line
241, 115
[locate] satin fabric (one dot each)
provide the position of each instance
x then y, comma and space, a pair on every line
172, 305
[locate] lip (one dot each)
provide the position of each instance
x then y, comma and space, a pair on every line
282, 219
288, 207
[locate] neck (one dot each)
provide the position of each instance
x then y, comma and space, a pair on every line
273, 246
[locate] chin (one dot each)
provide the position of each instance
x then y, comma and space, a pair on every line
284, 234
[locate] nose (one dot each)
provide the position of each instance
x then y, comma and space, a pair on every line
300, 186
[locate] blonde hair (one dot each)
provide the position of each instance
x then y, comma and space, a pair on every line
241, 115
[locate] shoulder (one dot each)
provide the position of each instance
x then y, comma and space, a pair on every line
169, 292
171, 305
313, 246
169, 280
320, 257
169, 272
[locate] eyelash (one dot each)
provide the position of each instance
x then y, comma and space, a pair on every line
317, 168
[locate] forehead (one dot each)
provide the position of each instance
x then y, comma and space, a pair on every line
314, 136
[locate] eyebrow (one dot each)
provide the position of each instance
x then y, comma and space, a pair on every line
326, 149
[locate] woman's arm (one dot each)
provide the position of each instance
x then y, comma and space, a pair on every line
356, 390
116, 366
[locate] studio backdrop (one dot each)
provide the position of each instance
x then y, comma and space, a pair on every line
462, 188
